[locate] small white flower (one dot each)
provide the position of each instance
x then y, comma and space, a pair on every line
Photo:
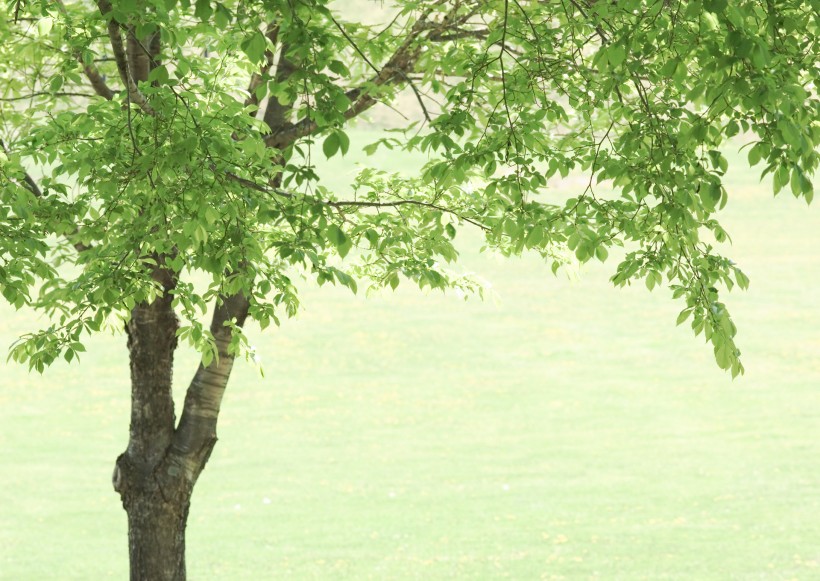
266, 500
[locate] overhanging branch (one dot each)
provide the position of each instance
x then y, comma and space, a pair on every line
342, 204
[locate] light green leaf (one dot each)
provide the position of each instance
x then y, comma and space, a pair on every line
331, 145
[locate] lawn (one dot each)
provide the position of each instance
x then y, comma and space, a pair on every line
563, 430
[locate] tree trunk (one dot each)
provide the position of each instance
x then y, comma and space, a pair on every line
156, 503
156, 474
157, 516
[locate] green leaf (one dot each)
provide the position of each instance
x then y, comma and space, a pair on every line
344, 141
44, 26
331, 145
716, 6
616, 54
755, 154
159, 75
684, 314
255, 46
800, 184
222, 16
207, 357
339, 68
781, 178
339, 239
535, 236
203, 11
742, 279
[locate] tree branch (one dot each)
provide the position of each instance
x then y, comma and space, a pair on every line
394, 70
139, 59
121, 58
32, 187
91, 72
276, 114
195, 436
341, 204
48, 93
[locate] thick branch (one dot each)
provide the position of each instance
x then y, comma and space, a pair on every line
276, 114
154, 44
395, 70
195, 436
139, 60
121, 58
96, 80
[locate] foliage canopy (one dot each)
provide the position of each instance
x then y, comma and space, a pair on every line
144, 140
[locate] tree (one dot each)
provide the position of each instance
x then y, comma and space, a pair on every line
144, 141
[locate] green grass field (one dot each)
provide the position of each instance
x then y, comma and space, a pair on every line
567, 430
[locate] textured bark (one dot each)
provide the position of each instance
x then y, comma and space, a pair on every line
139, 60
156, 474
157, 507
195, 436
157, 511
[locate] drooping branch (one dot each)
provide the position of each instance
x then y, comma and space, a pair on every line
342, 204
46, 93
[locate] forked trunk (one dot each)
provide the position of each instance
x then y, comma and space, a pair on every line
156, 474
